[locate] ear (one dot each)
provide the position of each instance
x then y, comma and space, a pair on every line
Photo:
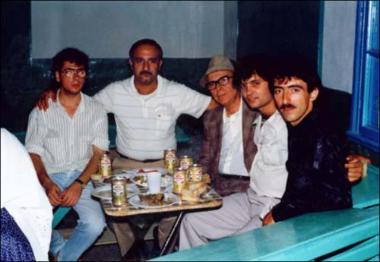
314, 94
159, 66
57, 77
130, 62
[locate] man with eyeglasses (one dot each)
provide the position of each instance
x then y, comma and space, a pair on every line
65, 144
146, 107
228, 148
245, 210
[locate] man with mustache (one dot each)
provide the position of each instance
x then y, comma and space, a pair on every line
146, 107
317, 179
244, 211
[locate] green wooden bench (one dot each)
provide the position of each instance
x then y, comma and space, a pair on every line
350, 234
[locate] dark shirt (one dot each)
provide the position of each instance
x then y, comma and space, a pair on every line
317, 178
14, 244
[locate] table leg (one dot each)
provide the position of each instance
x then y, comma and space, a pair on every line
168, 245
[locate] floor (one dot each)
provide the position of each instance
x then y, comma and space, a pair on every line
106, 248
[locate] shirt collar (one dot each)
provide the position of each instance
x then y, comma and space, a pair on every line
81, 106
157, 91
235, 115
271, 119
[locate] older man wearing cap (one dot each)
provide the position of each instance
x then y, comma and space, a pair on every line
242, 211
228, 148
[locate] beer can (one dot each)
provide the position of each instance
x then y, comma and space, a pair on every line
170, 160
105, 166
195, 173
179, 180
185, 162
119, 192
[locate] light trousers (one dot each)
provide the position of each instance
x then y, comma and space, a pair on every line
241, 212
90, 225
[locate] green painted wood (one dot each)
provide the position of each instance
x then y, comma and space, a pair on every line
181, 135
300, 238
366, 192
361, 252
376, 258
59, 214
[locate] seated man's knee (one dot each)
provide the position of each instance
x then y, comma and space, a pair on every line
96, 227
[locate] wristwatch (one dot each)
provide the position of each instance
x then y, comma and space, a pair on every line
82, 185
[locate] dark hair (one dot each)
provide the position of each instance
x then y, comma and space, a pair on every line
145, 41
71, 55
254, 64
294, 65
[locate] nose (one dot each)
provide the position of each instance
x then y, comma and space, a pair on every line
286, 97
248, 91
146, 65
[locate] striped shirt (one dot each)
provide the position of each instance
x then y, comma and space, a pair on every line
64, 143
146, 123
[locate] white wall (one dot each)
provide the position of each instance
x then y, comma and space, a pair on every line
107, 29
338, 44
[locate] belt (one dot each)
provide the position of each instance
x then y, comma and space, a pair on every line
228, 176
142, 161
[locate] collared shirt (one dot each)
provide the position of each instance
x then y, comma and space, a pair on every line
232, 154
23, 196
64, 143
146, 123
268, 173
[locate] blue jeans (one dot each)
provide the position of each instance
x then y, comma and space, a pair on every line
90, 224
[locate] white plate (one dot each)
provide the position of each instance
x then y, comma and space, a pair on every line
104, 192
169, 199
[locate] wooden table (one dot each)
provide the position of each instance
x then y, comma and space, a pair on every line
209, 201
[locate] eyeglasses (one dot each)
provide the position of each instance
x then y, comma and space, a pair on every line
70, 72
223, 81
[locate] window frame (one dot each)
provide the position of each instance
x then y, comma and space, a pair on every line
359, 130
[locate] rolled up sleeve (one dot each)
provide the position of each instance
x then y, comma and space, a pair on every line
101, 140
36, 132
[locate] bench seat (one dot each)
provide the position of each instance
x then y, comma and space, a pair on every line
304, 237
350, 234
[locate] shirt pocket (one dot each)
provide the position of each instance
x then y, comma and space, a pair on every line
84, 147
56, 150
164, 115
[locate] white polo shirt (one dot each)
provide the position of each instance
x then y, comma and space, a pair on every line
64, 143
146, 123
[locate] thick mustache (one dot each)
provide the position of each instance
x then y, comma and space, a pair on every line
287, 106
145, 73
